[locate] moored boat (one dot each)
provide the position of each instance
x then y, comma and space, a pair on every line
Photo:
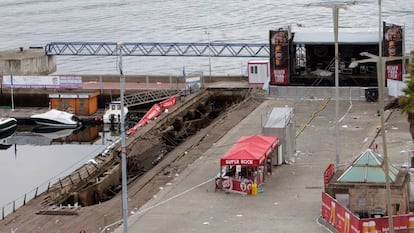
7, 123
57, 118
113, 113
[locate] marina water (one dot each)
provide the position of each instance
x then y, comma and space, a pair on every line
34, 23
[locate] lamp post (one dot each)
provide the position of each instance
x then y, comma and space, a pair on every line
209, 54
335, 14
380, 79
11, 90
123, 143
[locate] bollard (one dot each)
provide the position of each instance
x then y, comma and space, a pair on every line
24, 199
37, 189
254, 189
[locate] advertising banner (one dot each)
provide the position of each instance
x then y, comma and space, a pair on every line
31, 81
392, 45
279, 57
52, 82
168, 103
70, 82
345, 221
151, 114
234, 185
338, 216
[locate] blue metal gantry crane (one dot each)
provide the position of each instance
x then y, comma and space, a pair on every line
213, 49
156, 49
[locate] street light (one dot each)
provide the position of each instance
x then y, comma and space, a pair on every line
119, 46
209, 54
335, 14
380, 79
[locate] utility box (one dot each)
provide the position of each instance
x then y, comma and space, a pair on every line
281, 123
258, 72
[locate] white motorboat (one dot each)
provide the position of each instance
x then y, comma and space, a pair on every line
7, 123
57, 118
7, 128
113, 113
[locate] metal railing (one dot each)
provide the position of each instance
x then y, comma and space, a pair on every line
54, 184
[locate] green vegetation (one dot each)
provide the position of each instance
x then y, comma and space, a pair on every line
407, 101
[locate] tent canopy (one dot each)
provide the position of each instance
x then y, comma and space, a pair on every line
249, 151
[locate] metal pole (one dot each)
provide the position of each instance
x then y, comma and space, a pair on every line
335, 11
12, 96
209, 54
381, 81
123, 145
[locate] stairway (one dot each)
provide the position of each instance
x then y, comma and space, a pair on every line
149, 97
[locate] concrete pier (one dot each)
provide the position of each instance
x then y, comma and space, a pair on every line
27, 61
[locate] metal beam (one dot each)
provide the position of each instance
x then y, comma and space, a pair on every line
158, 49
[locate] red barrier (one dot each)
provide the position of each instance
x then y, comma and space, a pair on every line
345, 221
328, 173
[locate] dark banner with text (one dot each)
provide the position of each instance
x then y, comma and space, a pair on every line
392, 45
279, 57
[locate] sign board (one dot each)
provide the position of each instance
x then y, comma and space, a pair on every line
70, 82
31, 81
192, 84
52, 82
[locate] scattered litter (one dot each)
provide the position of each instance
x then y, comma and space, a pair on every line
161, 188
276, 203
345, 126
168, 184
239, 215
206, 223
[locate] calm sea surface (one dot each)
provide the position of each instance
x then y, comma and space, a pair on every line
27, 23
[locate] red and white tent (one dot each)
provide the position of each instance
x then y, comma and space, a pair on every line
249, 151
